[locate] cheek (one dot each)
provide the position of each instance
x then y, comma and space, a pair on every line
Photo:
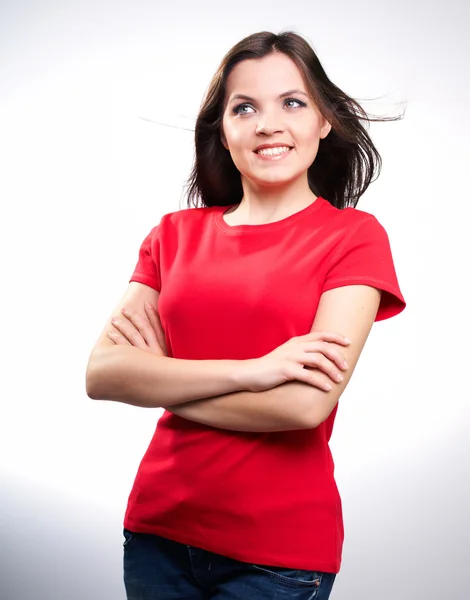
234, 138
309, 137
309, 130
237, 136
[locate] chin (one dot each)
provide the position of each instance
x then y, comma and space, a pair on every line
275, 179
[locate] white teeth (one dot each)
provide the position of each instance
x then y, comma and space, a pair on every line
274, 151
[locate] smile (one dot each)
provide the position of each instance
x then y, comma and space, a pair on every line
273, 153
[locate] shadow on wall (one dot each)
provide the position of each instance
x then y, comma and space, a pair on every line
407, 526
54, 548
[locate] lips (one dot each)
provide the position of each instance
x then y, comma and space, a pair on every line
271, 156
273, 153
272, 146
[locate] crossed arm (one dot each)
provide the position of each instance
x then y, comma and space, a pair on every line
350, 310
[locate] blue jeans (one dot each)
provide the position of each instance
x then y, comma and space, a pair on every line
159, 569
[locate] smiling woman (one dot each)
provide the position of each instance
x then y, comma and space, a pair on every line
291, 128
245, 317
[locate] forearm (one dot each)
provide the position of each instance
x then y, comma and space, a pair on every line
287, 407
130, 375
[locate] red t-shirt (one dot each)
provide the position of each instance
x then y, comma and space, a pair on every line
238, 292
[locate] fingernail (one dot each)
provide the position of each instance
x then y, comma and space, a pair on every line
347, 341
339, 377
328, 387
346, 366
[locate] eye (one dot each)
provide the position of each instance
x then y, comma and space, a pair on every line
238, 110
290, 100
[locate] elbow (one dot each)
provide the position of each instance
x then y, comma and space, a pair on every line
92, 391
308, 418
96, 377
319, 412
311, 420
93, 383
314, 420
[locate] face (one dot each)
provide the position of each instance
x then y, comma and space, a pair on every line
267, 105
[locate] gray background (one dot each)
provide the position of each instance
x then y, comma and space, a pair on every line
86, 172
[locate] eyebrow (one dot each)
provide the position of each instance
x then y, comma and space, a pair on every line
250, 99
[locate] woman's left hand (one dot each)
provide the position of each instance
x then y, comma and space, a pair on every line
144, 332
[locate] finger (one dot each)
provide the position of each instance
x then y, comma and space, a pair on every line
320, 362
326, 336
314, 378
117, 337
130, 332
142, 325
156, 323
329, 351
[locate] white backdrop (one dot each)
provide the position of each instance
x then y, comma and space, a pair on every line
84, 177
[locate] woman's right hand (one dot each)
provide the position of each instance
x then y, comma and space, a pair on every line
311, 358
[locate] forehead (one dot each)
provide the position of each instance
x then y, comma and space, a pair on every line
264, 77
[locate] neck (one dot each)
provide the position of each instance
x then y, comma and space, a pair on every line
265, 203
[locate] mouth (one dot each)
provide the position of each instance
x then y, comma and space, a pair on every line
273, 153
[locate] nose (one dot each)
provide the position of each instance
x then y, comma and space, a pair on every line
269, 125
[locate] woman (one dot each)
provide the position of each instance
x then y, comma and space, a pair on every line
244, 319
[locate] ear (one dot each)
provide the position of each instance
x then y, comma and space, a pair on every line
325, 129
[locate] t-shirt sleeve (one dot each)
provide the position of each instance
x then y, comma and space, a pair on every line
147, 269
365, 258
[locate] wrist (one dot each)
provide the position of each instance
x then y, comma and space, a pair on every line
243, 374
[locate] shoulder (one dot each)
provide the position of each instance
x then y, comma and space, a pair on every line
173, 222
352, 218
351, 226
186, 216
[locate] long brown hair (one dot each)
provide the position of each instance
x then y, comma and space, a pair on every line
347, 160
